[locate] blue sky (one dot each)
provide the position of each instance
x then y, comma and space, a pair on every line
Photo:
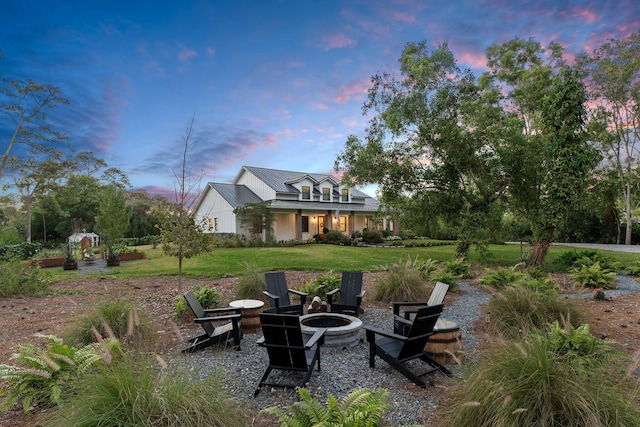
271, 83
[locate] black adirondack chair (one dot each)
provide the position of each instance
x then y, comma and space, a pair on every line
398, 350
402, 311
287, 350
350, 294
219, 324
278, 295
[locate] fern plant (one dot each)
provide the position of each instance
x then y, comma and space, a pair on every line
41, 376
207, 296
594, 276
361, 407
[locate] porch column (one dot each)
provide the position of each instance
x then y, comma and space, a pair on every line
351, 223
299, 224
330, 217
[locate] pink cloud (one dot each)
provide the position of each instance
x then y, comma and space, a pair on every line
337, 41
186, 54
211, 51
351, 90
322, 106
404, 17
588, 15
473, 59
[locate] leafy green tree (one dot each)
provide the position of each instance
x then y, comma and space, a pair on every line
548, 164
613, 74
141, 207
25, 104
427, 161
256, 218
112, 220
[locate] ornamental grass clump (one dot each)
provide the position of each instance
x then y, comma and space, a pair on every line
114, 318
405, 281
142, 390
564, 377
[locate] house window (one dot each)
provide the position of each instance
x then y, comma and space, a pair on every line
215, 224
306, 192
209, 224
326, 194
343, 223
345, 194
305, 224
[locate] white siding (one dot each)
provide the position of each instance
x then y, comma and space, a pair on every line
214, 206
284, 227
256, 185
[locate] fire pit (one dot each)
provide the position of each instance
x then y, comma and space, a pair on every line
342, 330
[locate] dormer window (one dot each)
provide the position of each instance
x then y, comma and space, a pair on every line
306, 192
345, 195
326, 194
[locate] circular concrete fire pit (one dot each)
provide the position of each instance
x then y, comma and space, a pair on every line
342, 330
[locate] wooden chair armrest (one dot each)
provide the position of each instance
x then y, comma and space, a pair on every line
318, 335
223, 310
270, 295
297, 292
333, 291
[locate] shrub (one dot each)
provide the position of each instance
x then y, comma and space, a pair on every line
594, 276
633, 269
19, 281
502, 277
42, 376
371, 236
565, 377
319, 286
519, 310
334, 237
136, 392
458, 267
207, 296
113, 318
361, 407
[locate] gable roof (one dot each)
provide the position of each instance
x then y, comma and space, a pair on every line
279, 180
235, 195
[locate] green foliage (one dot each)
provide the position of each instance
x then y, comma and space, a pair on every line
19, 281
405, 281
518, 310
207, 296
633, 269
594, 276
319, 286
113, 219
371, 236
135, 391
335, 237
252, 284
41, 377
256, 217
360, 408
502, 277
114, 318
565, 377
20, 251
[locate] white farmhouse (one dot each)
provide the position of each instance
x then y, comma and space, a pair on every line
303, 203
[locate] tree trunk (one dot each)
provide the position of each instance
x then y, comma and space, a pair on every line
540, 249
180, 275
628, 216
28, 206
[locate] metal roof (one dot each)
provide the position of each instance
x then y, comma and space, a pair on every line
278, 179
235, 195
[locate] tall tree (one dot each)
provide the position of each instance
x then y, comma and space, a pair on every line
112, 221
417, 148
183, 236
25, 105
613, 74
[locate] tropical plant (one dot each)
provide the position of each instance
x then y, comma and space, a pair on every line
361, 407
114, 318
319, 286
594, 276
206, 295
502, 277
564, 377
41, 377
140, 390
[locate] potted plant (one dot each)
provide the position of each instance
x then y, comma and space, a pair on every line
70, 262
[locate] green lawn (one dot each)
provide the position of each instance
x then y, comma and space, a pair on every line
315, 257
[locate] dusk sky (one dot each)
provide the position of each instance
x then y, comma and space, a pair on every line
275, 84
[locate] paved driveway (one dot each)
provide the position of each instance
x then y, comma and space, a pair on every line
617, 248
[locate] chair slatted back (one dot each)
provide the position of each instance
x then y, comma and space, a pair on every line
277, 285
350, 287
198, 311
283, 340
438, 293
420, 331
